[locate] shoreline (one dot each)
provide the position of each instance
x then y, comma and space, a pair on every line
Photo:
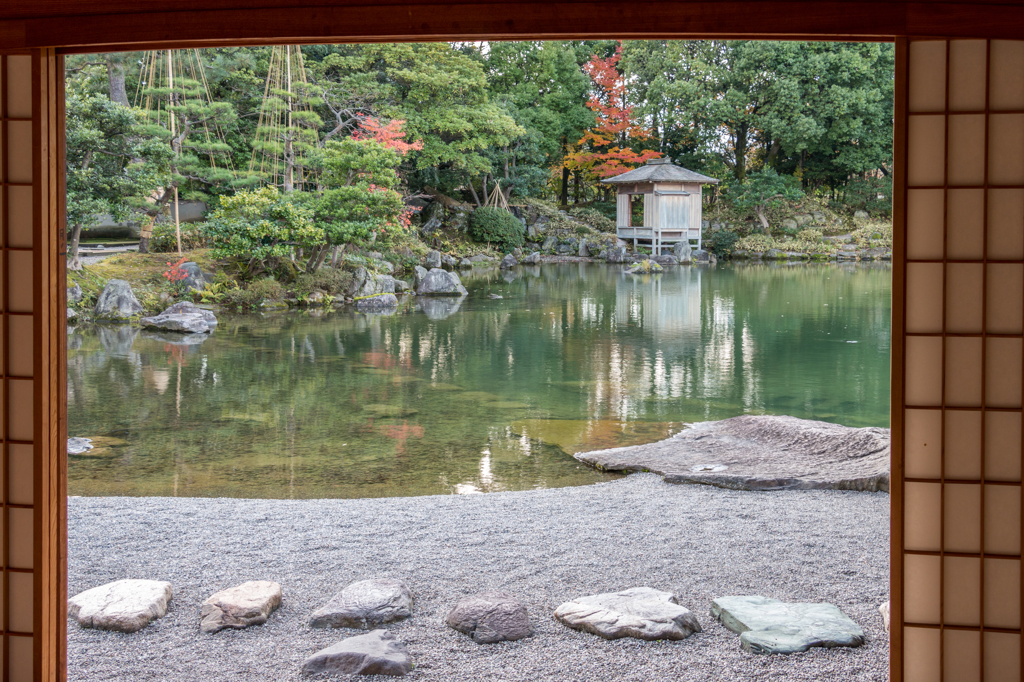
544, 546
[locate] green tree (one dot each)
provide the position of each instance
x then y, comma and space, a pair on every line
360, 202
442, 95
762, 190
256, 227
111, 166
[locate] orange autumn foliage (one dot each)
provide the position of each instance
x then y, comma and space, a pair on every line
603, 151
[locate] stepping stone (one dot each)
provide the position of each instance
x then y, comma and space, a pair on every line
123, 605
639, 612
184, 317
769, 626
375, 653
491, 617
239, 607
884, 610
365, 604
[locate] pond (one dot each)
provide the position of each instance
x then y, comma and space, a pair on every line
478, 395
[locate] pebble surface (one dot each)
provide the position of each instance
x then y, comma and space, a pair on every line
544, 546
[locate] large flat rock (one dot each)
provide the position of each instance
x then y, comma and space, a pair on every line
123, 605
640, 612
365, 604
375, 653
240, 606
761, 453
768, 626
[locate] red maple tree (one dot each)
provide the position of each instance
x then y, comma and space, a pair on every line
604, 151
389, 134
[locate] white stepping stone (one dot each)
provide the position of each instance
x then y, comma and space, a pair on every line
241, 606
123, 605
640, 612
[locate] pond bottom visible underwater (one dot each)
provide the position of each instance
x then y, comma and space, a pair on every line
478, 394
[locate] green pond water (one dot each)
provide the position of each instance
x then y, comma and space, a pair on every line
481, 395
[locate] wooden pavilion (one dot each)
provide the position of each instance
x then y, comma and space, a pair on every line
672, 198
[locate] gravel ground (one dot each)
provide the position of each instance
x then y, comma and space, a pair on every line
544, 546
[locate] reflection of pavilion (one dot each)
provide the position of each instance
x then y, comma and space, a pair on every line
665, 304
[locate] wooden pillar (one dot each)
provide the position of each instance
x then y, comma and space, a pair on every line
33, 367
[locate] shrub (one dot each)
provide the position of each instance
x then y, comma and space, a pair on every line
496, 226
721, 242
594, 218
254, 294
325, 279
163, 239
809, 235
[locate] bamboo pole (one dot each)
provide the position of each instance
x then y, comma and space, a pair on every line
170, 85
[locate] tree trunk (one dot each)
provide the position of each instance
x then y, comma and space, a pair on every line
115, 78
764, 220
740, 170
564, 200
576, 187
73, 261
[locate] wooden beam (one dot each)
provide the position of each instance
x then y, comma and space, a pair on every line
122, 25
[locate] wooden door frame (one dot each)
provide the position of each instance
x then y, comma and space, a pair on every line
47, 31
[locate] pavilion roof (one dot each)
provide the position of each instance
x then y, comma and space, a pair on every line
661, 170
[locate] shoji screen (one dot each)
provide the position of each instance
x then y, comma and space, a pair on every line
31, 337
958, 577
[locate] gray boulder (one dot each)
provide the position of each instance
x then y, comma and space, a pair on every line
438, 282
549, 244
375, 653
375, 284
401, 285
584, 249
682, 251
509, 261
376, 302
563, 249
802, 219
640, 612
702, 256
419, 272
117, 302
123, 605
241, 606
819, 218
75, 294
754, 452
448, 261
433, 260
71, 314
365, 604
789, 224
861, 215
532, 259
432, 225
616, 255
183, 317
194, 280
465, 264
491, 617
768, 626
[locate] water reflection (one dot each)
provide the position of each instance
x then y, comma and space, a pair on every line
474, 394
